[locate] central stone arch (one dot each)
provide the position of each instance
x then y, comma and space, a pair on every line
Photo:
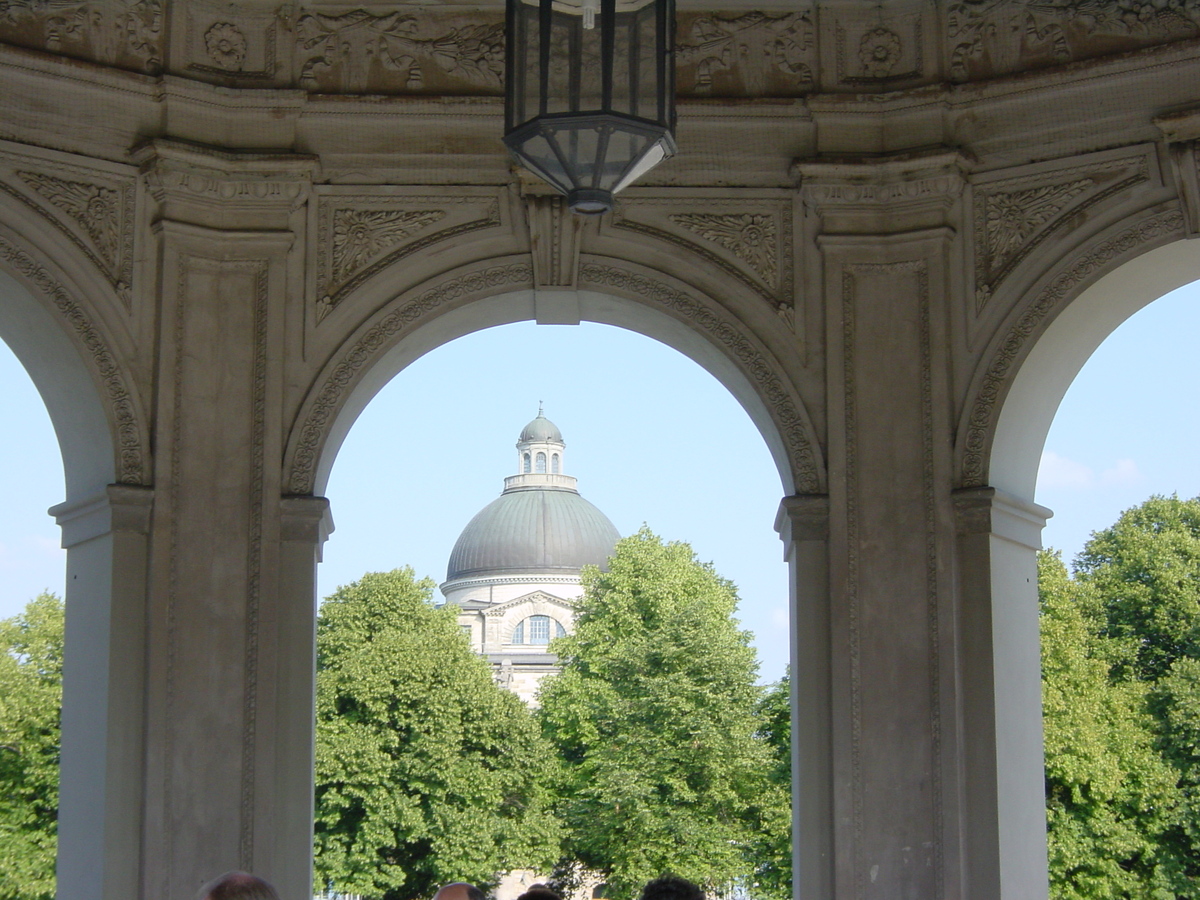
499, 291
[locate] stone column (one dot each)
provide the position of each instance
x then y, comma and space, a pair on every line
883, 229
101, 776
803, 526
231, 601
998, 536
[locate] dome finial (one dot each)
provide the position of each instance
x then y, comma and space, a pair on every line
539, 408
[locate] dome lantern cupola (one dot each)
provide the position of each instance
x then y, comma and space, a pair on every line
540, 448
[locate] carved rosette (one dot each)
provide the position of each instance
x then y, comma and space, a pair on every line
750, 240
93, 209
1015, 213
360, 235
869, 50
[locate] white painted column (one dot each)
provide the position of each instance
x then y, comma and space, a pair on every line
803, 526
101, 777
1003, 765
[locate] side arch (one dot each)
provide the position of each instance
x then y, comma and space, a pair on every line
1037, 353
499, 291
92, 405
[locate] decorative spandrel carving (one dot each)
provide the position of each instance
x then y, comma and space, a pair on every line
360, 235
123, 33
93, 210
401, 52
745, 54
991, 37
750, 237
1014, 215
357, 236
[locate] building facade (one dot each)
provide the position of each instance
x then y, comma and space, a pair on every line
515, 569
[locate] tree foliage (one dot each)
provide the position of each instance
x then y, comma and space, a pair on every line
773, 845
31, 655
1110, 797
427, 771
653, 715
1145, 570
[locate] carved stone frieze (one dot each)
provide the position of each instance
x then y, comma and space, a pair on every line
1015, 213
992, 37
401, 52
93, 208
358, 234
749, 238
745, 54
123, 33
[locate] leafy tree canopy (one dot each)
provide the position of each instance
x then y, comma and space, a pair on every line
31, 654
427, 771
664, 769
1110, 797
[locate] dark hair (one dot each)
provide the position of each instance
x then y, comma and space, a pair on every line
475, 893
672, 887
540, 892
238, 886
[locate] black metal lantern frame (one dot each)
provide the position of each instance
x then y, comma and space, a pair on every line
590, 93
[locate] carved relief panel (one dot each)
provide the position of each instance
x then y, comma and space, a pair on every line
213, 42
739, 54
360, 233
748, 237
123, 33
91, 204
1014, 212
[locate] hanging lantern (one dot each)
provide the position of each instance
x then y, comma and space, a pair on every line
590, 93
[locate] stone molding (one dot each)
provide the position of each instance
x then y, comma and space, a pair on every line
1009, 347
554, 241
803, 517
987, 510
1016, 211
305, 520
132, 463
502, 609
454, 49
122, 507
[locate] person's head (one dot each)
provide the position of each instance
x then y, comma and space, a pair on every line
672, 887
540, 892
237, 886
459, 890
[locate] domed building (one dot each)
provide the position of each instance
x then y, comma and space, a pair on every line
515, 569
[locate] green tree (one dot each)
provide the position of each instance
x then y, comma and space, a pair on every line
1110, 797
1145, 570
30, 704
773, 845
427, 771
664, 768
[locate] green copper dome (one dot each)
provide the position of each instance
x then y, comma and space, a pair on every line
533, 530
541, 429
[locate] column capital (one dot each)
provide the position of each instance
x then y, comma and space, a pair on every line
304, 518
988, 510
122, 507
803, 517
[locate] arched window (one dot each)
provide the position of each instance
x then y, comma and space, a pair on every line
541, 463
537, 630
527, 463
554, 464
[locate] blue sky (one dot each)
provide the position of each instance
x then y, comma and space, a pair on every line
652, 439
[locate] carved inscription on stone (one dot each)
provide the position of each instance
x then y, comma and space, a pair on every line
401, 52
990, 37
745, 54
124, 33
